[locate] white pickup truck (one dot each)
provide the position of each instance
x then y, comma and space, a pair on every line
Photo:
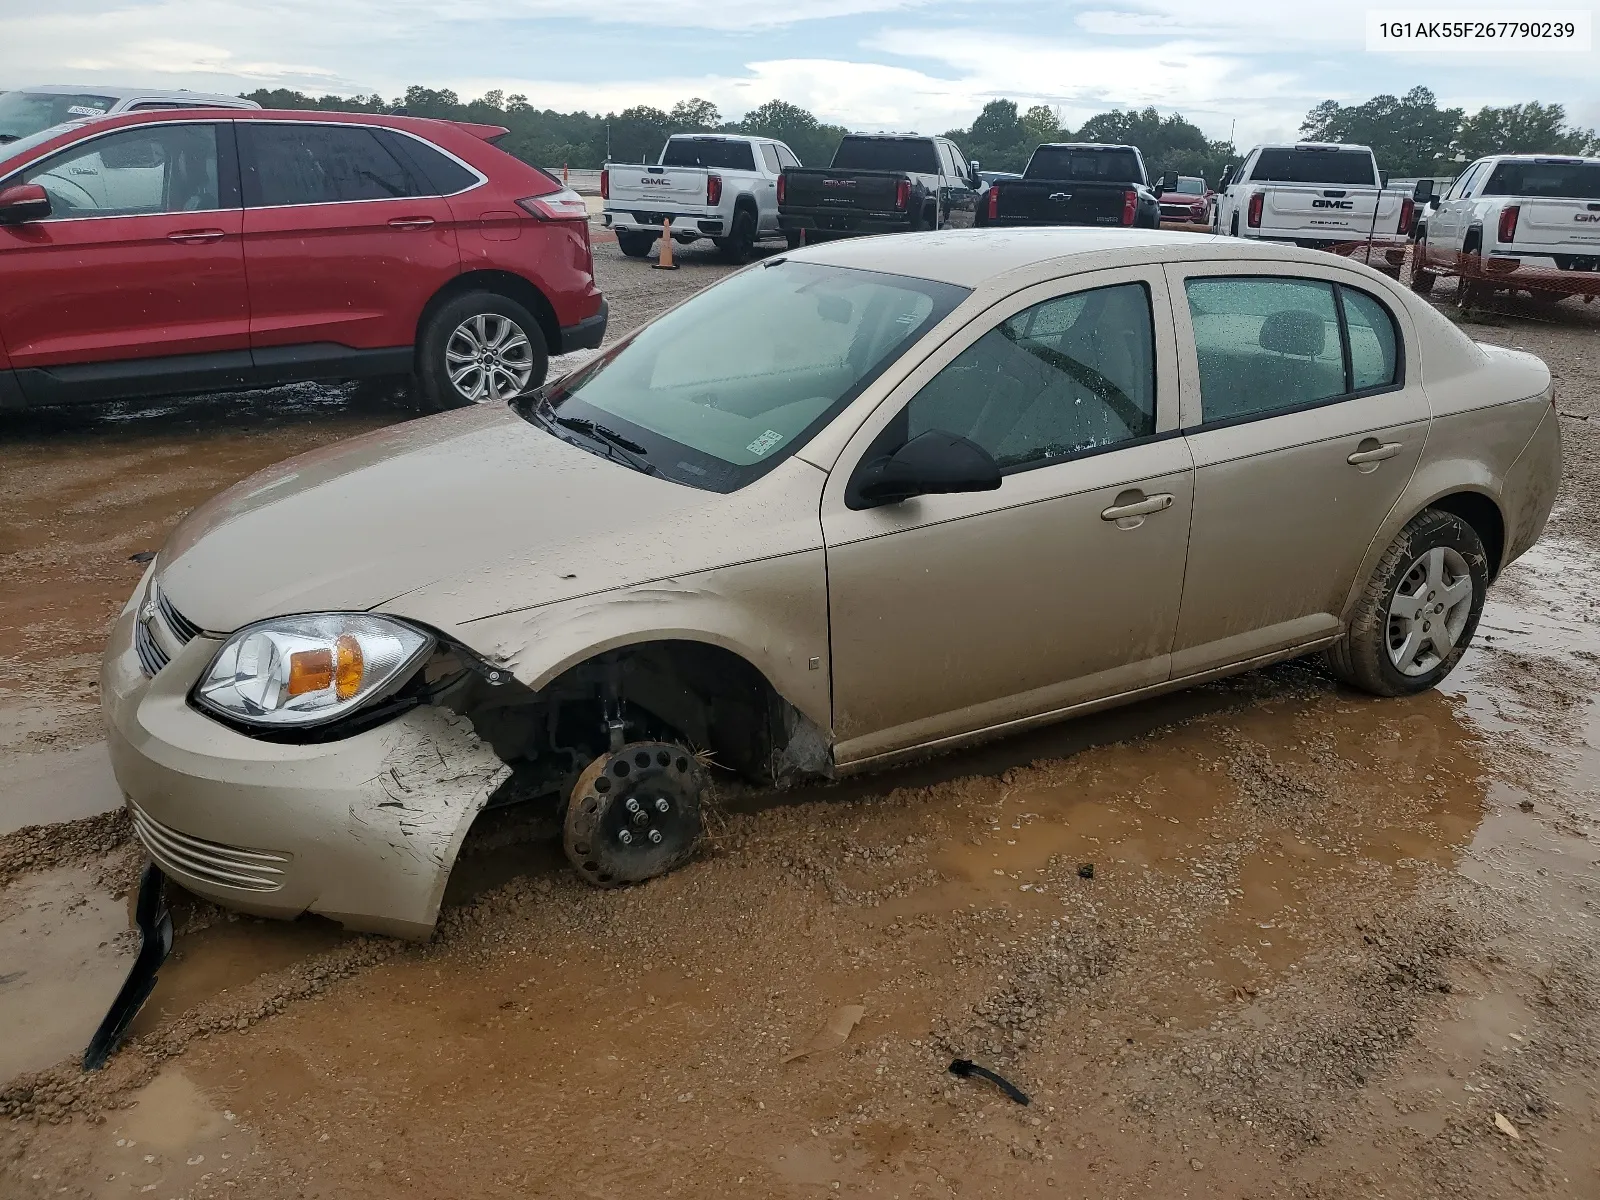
720, 186
1321, 195
1514, 222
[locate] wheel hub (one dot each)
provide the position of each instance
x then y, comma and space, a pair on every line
634, 813
1429, 611
489, 358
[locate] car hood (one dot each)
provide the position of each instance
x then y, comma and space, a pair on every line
448, 505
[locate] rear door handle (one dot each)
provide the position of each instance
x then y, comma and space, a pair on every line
1377, 454
196, 236
1139, 508
411, 223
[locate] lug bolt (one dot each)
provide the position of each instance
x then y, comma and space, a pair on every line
632, 805
655, 836
662, 805
625, 837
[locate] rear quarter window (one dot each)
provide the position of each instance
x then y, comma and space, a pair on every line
1551, 181
708, 152
887, 154
444, 174
1353, 167
1106, 166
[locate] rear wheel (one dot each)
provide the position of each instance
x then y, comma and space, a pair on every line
635, 244
740, 244
796, 238
479, 348
1422, 279
1419, 610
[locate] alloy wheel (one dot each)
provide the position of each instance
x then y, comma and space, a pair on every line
1429, 611
488, 358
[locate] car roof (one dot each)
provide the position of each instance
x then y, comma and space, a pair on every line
1314, 146
1084, 146
1544, 158
201, 99
972, 258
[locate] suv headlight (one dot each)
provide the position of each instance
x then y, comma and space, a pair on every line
292, 671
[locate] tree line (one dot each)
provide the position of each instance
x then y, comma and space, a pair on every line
1411, 134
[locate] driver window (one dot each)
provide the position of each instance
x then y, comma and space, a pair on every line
1070, 375
137, 172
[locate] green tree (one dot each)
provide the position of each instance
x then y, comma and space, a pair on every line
811, 140
1041, 124
694, 115
997, 138
1531, 128
1168, 143
638, 133
1410, 134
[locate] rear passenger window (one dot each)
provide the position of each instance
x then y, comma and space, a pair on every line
1268, 345
770, 156
444, 174
1070, 375
319, 164
1374, 361
786, 157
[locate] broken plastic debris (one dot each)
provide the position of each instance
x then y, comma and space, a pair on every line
834, 1033
142, 556
965, 1068
1085, 870
1506, 1127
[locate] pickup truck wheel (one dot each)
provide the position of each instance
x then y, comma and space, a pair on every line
796, 238
1419, 610
1421, 278
1471, 292
740, 243
635, 244
479, 348
634, 814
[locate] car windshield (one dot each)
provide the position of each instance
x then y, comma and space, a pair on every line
16, 149
1550, 180
25, 113
721, 388
708, 152
1105, 166
1316, 166
886, 154
1191, 187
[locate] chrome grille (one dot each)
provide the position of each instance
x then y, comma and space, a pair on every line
151, 656
182, 628
160, 632
182, 854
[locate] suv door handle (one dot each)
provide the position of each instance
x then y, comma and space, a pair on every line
410, 222
196, 236
1374, 455
1138, 508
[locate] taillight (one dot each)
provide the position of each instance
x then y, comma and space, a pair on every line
994, 201
902, 194
1508, 223
1130, 206
783, 187
1253, 215
713, 190
605, 185
565, 205
1408, 214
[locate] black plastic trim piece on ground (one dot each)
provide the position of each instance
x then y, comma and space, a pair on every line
155, 943
965, 1068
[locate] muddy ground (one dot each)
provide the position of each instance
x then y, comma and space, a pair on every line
1331, 945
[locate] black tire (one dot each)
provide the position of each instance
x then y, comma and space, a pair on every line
634, 244
435, 391
1363, 658
1422, 279
634, 814
740, 244
795, 237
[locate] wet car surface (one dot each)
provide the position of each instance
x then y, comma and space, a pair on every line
1324, 941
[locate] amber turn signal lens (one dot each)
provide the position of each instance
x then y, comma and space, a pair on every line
310, 671
351, 666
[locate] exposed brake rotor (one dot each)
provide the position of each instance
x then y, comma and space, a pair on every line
634, 813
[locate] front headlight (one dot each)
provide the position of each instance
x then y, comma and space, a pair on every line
306, 670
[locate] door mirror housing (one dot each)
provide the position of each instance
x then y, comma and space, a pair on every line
23, 202
1227, 178
1422, 193
1383, 180
930, 463
1168, 183
973, 163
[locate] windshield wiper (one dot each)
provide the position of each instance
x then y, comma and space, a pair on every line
584, 425
617, 448
9, 137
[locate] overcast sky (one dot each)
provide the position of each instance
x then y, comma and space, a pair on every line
891, 64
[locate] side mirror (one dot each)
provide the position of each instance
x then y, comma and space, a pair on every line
974, 165
1383, 179
1227, 178
932, 462
1433, 202
23, 202
1169, 183
1423, 192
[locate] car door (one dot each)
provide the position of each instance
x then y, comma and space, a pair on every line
344, 242
1445, 226
767, 196
953, 614
960, 199
1303, 438
139, 260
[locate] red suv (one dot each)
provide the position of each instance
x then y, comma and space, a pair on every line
205, 250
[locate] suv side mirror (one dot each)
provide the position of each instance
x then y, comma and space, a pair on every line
23, 202
932, 462
1423, 192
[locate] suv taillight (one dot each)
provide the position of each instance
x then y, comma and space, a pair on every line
1130, 206
605, 185
1508, 223
565, 205
713, 190
1253, 214
902, 194
783, 187
1408, 214
994, 200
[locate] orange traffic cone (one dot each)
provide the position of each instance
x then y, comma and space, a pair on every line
565, 178
664, 262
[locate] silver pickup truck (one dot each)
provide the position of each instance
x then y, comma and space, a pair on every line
720, 186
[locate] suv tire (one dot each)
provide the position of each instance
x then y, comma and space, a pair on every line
489, 343
634, 244
1431, 581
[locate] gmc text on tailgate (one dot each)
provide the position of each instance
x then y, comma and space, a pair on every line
880, 183
1076, 183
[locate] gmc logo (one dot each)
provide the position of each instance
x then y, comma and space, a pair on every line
1333, 204
838, 183
655, 181
1586, 216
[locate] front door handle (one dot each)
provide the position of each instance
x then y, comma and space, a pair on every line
193, 237
411, 223
1375, 454
1138, 508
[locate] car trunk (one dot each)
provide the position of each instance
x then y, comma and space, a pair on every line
1335, 213
652, 187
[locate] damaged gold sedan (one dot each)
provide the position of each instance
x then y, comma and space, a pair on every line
868, 500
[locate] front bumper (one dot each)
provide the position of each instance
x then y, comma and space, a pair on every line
363, 830
587, 334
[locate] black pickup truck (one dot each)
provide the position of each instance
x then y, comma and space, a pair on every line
1076, 183
880, 183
